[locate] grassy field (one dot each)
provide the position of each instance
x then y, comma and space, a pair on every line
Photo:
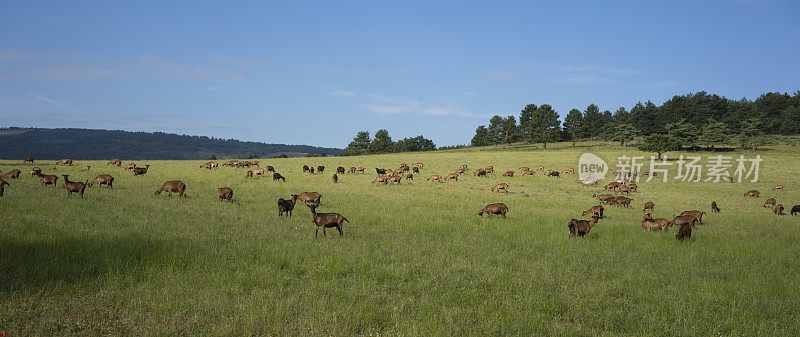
415, 260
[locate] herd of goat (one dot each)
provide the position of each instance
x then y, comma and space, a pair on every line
577, 227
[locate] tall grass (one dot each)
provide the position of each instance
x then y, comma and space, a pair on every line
415, 260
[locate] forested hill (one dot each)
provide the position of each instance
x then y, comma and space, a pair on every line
85, 144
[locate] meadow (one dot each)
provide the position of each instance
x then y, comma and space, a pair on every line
416, 259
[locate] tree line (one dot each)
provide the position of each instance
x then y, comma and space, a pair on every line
382, 143
688, 120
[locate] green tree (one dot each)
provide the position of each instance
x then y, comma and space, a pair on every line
790, 121
750, 134
495, 130
573, 125
592, 121
525, 118
382, 143
686, 133
359, 145
482, 137
714, 133
660, 143
417, 143
624, 132
508, 131
545, 125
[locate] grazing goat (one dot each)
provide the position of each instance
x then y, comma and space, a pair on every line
116, 162
480, 173
305, 168
335, 178
129, 166
415, 169
103, 179
649, 205
596, 210
225, 193
176, 186
529, 173
270, 169
612, 186
395, 179
498, 208
580, 228
325, 220
778, 209
435, 178
3, 183
714, 207
35, 171
381, 179
696, 214
206, 166
14, 174
340, 170
64, 162
380, 171
452, 176
310, 197
249, 174
752, 193
137, 171
276, 176
778, 187
681, 220
508, 173
553, 174
410, 176
523, 169
286, 206
648, 223
623, 189
489, 170
633, 188
770, 202
28, 160
685, 232
320, 169
47, 179
74, 186
361, 169
259, 172
604, 198
795, 209
622, 201
498, 187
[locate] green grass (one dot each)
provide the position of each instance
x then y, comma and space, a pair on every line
415, 260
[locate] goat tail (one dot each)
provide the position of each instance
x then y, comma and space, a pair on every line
345, 219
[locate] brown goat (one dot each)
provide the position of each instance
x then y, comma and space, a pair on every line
778, 187
622, 201
361, 169
795, 210
770, 202
306, 168
225, 193
320, 169
335, 178
103, 179
714, 207
778, 209
415, 169
249, 174
116, 162
28, 160
340, 170
580, 228
435, 178
498, 208
14, 174
74, 186
35, 171
596, 210
685, 232
380, 171
137, 171
752, 193
48, 179
681, 220
395, 179
270, 168
649, 205
529, 173
501, 186
648, 223
612, 186
633, 187
130, 166
64, 162
286, 206
381, 179
525, 168
258, 172
352, 169
452, 176
310, 197
276, 176
508, 173
325, 220
86, 169
206, 166
604, 198
176, 186
623, 189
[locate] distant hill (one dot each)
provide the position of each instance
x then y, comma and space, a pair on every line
86, 144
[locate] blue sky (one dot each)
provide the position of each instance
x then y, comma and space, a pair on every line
318, 72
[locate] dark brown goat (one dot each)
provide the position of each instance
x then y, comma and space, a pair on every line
116, 162
380, 171
310, 197
649, 223
770, 202
137, 171
795, 210
752, 193
714, 207
320, 169
335, 178
508, 173
581, 227
276, 176
171, 186
778, 209
604, 198
685, 232
622, 201
649, 205
596, 210
47, 179
74, 186
696, 214
3, 183
103, 179
286, 206
270, 168
415, 169
225, 193
340, 170
35, 171
325, 220
498, 208
28, 160
681, 220
64, 162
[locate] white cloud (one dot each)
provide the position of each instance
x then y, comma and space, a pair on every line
49, 101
